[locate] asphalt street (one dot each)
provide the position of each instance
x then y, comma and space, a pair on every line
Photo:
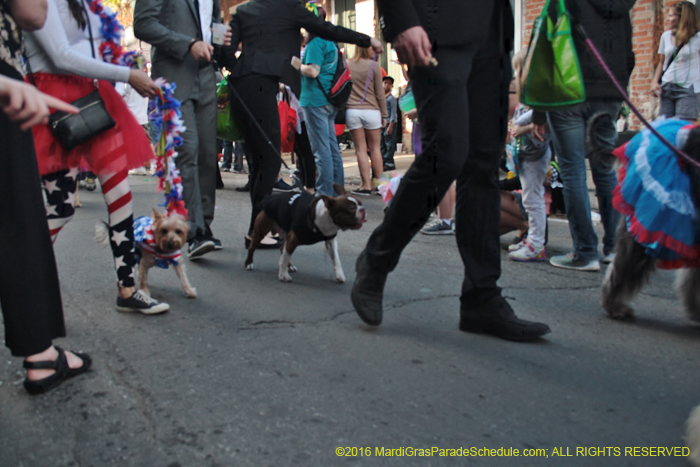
256, 372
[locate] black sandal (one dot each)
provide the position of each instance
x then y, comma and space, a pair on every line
61, 368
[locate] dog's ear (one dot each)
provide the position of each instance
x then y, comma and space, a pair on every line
157, 215
328, 200
338, 188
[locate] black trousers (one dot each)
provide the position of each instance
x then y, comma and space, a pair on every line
259, 93
462, 107
30, 296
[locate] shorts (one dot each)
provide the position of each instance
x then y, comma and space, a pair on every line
369, 119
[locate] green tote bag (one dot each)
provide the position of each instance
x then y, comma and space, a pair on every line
226, 126
551, 76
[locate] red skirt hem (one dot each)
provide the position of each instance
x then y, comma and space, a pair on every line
123, 147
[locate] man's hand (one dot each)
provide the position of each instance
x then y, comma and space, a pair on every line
202, 51
390, 128
22, 102
413, 47
376, 45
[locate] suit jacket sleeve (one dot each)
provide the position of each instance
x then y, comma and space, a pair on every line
147, 27
227, 55
395, 16
326, 30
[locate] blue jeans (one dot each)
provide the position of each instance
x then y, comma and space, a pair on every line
320, 125
568, 129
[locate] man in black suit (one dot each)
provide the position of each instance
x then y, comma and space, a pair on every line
269, 34
458, 55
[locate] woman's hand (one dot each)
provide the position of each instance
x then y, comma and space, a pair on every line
142, 83
22, 102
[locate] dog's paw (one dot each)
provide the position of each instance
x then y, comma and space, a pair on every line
284, 277
292, 268
340, 277
621, 312
249, 267
191, 292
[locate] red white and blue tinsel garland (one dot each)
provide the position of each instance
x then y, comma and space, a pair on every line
111, 49
168, 120
166, 116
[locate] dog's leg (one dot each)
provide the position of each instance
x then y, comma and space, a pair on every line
332, 249
688, 287
147, 262
190, 291
626, 276
263, 224
290, 244
693, 436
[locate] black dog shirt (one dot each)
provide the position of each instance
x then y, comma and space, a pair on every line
291, 212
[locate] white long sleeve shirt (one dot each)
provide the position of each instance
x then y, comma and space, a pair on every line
61, 47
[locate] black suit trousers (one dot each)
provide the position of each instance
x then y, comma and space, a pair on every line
262, 140
30, 296
462, 108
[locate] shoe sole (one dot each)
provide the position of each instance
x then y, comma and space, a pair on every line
201, 250
480, 328
359, 194
439, 232
576, 268
161, 308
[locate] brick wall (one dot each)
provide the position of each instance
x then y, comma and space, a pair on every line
647, 26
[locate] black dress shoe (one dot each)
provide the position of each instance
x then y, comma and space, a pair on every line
368, 291
496, 317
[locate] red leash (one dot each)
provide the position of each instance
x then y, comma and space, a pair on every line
604, 66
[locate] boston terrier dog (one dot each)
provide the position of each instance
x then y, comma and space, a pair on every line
306, 219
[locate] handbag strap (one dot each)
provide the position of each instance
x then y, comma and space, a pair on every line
673, 57
92, 42
370, 77
601, 62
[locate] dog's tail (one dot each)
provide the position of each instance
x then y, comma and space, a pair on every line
102, 234
599, 151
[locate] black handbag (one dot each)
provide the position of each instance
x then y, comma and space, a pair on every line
74, 129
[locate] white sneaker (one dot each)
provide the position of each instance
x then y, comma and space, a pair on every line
516, 246
609, 258
528, 253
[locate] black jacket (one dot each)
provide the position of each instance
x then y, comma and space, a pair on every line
296, 211
269, 31
608, 24
449, 23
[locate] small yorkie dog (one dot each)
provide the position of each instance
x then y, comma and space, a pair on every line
159, 241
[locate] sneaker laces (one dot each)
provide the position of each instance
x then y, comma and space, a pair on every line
140, 296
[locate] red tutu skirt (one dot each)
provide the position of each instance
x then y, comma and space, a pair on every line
123, 147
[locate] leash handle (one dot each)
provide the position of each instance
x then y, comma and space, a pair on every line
599, 59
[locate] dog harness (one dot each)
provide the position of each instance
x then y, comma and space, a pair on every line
293, 211
146, 241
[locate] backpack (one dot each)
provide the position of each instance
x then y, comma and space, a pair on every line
341, 84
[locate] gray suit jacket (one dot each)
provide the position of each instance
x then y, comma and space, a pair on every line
169, 26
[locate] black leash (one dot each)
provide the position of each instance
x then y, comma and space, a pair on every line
257, 125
